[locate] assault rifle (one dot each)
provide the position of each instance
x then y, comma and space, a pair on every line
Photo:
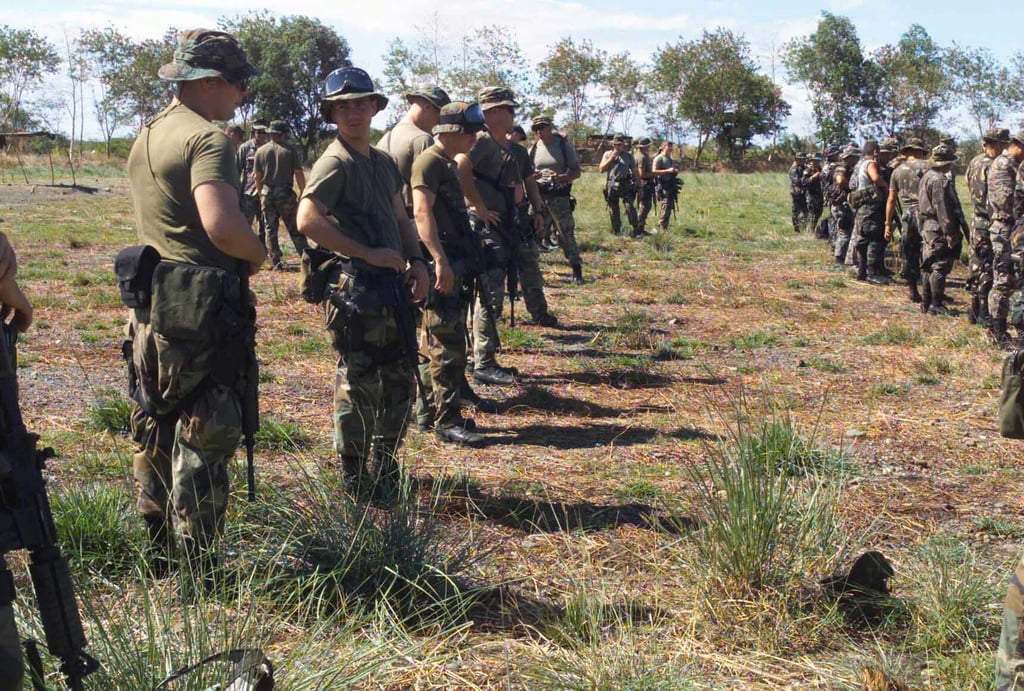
249, 385
26, 522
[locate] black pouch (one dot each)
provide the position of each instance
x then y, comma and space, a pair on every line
315, 269
195, 303
134, 268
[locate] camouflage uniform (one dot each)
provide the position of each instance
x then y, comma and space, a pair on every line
841, 208
905, 182
648, 186
940, 230
184, 442
980, 264
667, 186
797, 193
557, 199
1009, 666
620, 186
870, 219
815, 195
249, 200
525, 250
12, 664
277, 162
1002, 177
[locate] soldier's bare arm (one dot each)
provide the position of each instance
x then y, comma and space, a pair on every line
607, 160
426, 226
465, 167
417, 270
890, 209
300, 179
313, 222
222, 219
8, 262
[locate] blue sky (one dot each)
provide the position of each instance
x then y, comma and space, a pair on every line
614, 25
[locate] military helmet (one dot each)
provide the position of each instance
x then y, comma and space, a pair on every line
277, 127
431, 93
942, 154
459, 117
540, 122
208, 53
349, 84
997, 135
914, 144
497, 97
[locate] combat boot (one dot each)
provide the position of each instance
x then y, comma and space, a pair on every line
387, 477
915, 296
577, 274
862, 268
926, 293
984, 318
972, 311
997, 334
354, 476
458, 431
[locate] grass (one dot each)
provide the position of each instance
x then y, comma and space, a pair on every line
111, 412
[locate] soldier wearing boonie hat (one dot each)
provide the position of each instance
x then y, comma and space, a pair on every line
872, 187
185, 183
352, 206
798, 192
903, 186
648, 185
999, 196
246, 160
278, 171
940, 229
979, 282
621, 184
411, 135
555, 158
840, 207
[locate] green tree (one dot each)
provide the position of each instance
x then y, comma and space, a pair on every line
913, 84
25, 59
830, 64
488, 56
984, 87
626, 87
569, 75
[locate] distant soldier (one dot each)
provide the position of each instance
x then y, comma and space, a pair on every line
940, 229
648, 185
246, 161
621, 183
278, 169
814, 191
411, 136
555, 159
993, 143
903, 189
841, 209
236, 134
1002, 180
353, 207
668, 182
868, 198
797, 191
828, 177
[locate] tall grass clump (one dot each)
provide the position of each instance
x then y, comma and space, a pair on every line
98, 527
111, 412
634, 330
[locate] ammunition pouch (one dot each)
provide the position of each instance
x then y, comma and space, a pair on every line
134, 268
622, 185
315, 270
361, 297
554, 189
865, 196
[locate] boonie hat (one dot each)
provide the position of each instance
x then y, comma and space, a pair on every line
888, 146
1018, 137
259, 125
278, 127
350, 84
459, 117
914, 144
619, 139
497, 97
208, 53
800, 156
943, 153
431, 93
1000, 135
850, 151
644, 141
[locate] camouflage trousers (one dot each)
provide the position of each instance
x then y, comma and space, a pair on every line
252, 210
614, 214
647, 197
1004, 273
980, 264
1009, 667
275, 211
558, 213
798, 211
815, 208
910, 246
666, 206
936, 260
871, 242
444, 340
374, 381
12, 665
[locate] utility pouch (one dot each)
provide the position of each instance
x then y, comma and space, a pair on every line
134, 268
315, 272
1011, 399
196, 303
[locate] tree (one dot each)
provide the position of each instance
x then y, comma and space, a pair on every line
830, 64
568, 74
760, 109
626, 88
295, 54
25, 59
984, 87
913, 85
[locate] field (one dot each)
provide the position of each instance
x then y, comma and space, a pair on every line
720, 421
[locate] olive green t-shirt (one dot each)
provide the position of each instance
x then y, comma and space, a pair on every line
277, 164
358, 192
436, 172
493, 167
404, 143
561, 157
906, 180
175, 153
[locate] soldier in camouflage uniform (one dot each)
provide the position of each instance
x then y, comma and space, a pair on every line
440, 212
353, 206
1002, 179
276, 165
246, 159
185, 189
940, 229
668, 182
556, 161
797, 192
994, 142
873, 189
621, 184
841, 209
815, 192
648, 185
828, 176
903, 187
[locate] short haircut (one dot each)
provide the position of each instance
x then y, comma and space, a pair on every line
235, 129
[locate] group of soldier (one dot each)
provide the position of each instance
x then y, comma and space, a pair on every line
630, 183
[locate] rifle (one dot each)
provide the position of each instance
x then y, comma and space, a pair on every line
249, 386
26, 522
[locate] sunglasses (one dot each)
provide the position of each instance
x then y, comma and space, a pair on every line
347, 80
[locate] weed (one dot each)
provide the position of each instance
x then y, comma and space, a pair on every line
111, 412
633, 329
824, 364
890, 389
999, 526
757, 339
281, 435
893, 334
98, 527
639, 490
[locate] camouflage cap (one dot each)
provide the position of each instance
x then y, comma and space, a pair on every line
942, 154
278, 127
208, 53
644, 141
850, 151
800, 156
459, 117
259, 125
541, 121
833, 150
434, 95
889, 145
497, 97
999, 135
914, 144
350, 84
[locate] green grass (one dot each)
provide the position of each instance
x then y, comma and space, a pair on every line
756, 339
111, 412
893, 334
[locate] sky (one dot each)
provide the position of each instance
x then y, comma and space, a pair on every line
613, 25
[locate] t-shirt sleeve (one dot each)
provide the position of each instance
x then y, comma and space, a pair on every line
425, 174
326, 181
212, 159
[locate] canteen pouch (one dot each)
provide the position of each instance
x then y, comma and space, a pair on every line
1011, 398
315, 272
134, 267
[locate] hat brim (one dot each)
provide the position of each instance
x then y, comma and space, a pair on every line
409, 95
507, 103
180, 72
912, 147
382, 100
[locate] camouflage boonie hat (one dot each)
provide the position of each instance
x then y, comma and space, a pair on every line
850, 152
259, 125
1018, 137
459, 117
914, 144
207, 53
497, 97
541, 121
434, 95
619, 139
644, 141
833, 151
349, 84
943, 153
278, 127
888, 146
999, 135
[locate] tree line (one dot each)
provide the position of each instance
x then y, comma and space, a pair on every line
709, 90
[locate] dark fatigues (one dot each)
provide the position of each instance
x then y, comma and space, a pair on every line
1002, 177
373, 387
525, 250
648, 189
815, 198
906, 181
668, 189
621, 186
871, 220
843, 214
980, 263
558, 198
798, 197
940, 228
181, 457
277, 164
250, 201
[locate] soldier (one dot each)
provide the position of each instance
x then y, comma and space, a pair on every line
1002, 176
814, 192
940, 229
868, 197
903, 187
411, 135
236, 134
555, 159
993, 143
840, 205
828, 172
440, 213
666, 176
246, 160
797, 191
353, 207
648, 185
275, 167
621, 183
186, 420
493, 184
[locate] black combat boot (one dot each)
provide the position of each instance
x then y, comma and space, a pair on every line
577, 274
387, 477
914, 295
862, 267
159, 552
972, 311
997, 334
926, 292
984, 318
938, 282
354, 476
